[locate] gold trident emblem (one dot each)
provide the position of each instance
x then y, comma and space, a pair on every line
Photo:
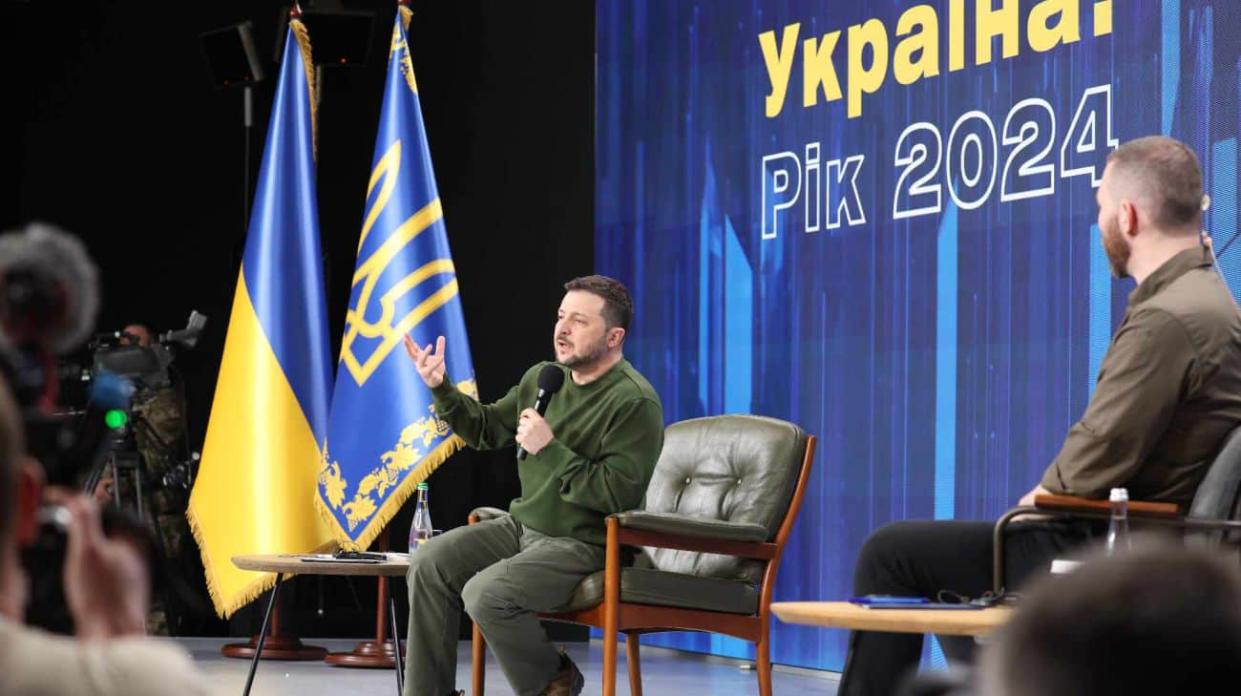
390, 328
407, 65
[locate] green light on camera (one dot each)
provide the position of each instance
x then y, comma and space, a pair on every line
115, 418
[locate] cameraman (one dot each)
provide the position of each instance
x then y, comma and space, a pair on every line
158, 427
159, 440
106, 588
160, 436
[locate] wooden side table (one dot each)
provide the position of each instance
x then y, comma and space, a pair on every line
323, 564
952, 622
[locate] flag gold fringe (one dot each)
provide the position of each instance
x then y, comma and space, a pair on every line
251, 592
379, 521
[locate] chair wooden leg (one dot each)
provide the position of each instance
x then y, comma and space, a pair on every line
478, 659
762, 651
632, 647
609, 662
611, 608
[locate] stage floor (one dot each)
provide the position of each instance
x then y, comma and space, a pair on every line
665, 673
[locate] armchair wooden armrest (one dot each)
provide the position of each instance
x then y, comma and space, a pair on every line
632, 536
1073, 506
1072, 503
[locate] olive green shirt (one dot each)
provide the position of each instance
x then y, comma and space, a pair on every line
1168, 391
607, 436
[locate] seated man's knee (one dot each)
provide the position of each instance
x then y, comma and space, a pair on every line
883, 541
425, 564
484, 598
879, 550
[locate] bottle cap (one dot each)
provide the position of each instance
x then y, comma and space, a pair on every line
1119, 495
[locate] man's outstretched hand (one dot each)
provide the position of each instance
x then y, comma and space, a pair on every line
429, 363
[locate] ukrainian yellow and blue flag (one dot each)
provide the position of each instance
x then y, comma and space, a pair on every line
383, 435
255, 488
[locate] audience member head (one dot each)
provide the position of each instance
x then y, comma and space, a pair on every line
1162, 619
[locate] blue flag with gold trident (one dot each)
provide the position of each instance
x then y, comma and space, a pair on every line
383, 436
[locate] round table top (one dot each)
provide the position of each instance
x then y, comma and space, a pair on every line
964, 622
322, 564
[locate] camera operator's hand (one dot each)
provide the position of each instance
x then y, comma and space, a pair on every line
106, 582
103, 490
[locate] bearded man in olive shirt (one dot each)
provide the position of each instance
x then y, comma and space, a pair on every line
1168, 392
590, 455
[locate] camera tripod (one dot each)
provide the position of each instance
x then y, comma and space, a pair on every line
149, 479
123, 458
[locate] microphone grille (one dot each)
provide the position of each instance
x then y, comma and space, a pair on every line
551, 378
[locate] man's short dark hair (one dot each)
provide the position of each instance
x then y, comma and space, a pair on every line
1161, 619
617, 303
1166, 173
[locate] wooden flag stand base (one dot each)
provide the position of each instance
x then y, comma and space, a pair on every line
375, 653
276, 647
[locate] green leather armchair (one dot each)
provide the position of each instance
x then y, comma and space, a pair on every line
718, 512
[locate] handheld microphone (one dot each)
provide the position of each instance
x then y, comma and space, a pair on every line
551, 379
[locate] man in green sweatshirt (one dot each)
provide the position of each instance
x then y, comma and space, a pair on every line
590, 455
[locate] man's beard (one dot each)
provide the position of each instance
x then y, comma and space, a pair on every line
593, 354
1116, 248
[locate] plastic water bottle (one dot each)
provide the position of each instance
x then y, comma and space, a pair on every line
1118, 527
420, 530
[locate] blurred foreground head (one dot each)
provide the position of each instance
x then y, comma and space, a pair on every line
1162, 619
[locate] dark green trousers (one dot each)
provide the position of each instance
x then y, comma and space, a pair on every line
503, 574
